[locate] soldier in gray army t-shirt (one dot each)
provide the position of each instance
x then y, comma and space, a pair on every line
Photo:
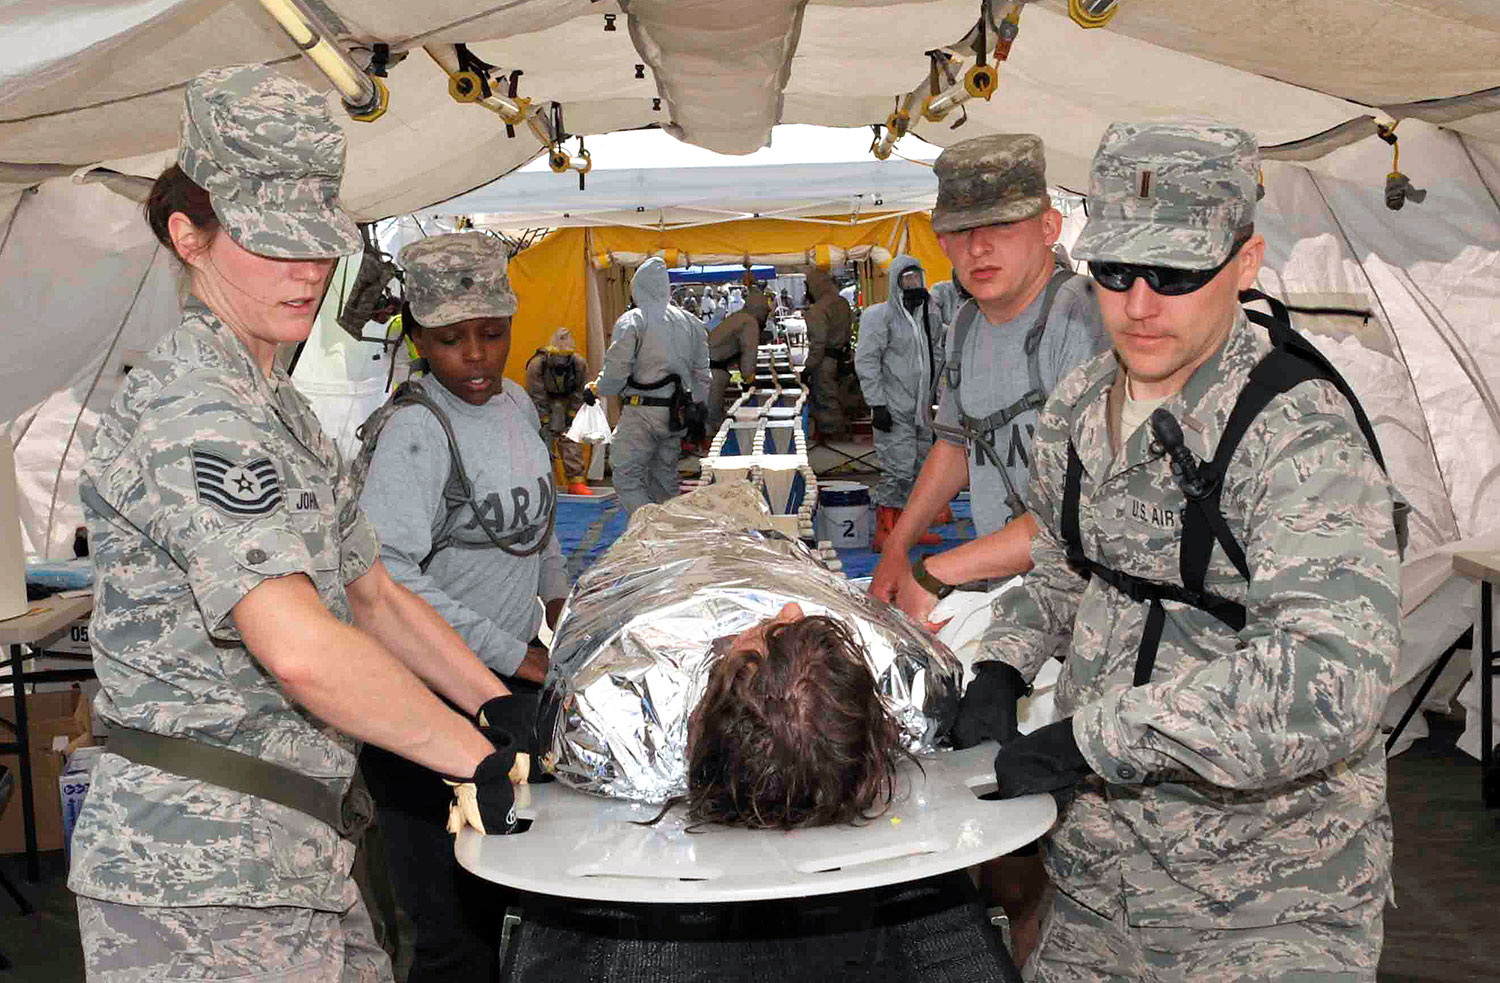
995, 220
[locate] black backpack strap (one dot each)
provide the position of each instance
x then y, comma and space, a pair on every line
1072, 491
1279, 324
459, 490
963, 323
1138, 589
1035, 397
1033, 342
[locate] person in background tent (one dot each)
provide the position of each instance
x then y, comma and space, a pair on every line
1027, 327
1221, 762
900, 346
554, 380
947, 297
786, 301
736, 341
850, 293
830, 329
481, 562
246, 635
736, 301
657, 363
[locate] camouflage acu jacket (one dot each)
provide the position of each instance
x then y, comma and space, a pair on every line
1244, 785
204, 479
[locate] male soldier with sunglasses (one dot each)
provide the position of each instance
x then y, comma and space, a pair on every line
1220, 762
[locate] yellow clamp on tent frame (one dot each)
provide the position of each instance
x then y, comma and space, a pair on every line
1388, 134
980, 82
560, 160
377, 108
898, 122
672, 257
1089, 15
465, 87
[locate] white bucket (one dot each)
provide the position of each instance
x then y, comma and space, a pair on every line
844, 514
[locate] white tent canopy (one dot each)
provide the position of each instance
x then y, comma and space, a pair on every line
91, 82
88, 80
805, 171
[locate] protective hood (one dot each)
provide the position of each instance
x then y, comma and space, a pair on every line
562, 341
820, 285
758, 306
651, 288
899, 265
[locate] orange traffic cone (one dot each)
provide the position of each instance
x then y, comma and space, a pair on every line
885, 521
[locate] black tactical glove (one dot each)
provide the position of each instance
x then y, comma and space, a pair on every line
509, 722
988, 709
589, 396
882, 419
487, 801
807, 377
697, 427
1046, 760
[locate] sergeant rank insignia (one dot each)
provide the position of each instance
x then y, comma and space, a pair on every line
239, 490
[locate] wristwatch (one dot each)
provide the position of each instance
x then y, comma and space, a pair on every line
928, 582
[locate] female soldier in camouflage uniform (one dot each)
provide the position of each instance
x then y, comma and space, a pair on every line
231, 559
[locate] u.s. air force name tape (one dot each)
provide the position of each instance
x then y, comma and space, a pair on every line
238, 490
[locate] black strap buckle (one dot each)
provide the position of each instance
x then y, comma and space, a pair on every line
356, 813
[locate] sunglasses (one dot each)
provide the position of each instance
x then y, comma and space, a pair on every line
1165, 280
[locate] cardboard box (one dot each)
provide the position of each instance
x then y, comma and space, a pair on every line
50, 716
72, 787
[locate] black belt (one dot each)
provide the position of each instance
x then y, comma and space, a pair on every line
645, 401
723, 365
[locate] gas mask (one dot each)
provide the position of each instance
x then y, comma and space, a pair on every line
913, 289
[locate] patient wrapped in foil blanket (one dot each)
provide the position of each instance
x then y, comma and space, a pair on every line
632, 654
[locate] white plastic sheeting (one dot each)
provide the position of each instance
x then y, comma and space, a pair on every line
82, 80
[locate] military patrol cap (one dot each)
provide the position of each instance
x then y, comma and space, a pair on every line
270, 155
990, 180
1171, 193
451, 278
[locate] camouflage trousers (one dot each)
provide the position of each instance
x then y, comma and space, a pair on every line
901, 451
1078, 945
140, 944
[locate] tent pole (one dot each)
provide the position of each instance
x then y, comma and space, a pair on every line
11, 222
1477, 172
83, 403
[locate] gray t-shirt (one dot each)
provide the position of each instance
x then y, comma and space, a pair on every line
994, 375
485, 593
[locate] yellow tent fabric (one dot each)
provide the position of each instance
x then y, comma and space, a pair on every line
922, 244
550, 277
753, 237
550, 284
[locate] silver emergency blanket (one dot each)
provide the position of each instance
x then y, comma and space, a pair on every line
631, 654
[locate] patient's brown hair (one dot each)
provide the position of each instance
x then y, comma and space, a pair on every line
796, 736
